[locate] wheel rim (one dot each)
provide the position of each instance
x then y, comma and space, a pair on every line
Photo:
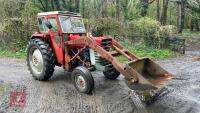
36, 61
80, 82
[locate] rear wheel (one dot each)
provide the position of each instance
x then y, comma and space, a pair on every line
112, 74
83, 80
40, 59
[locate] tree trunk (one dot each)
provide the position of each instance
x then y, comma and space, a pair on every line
52, 5
44, 8
124, 8
83, 8
46, 2
57, 4
177, 4
77, 6
117, 9
192, 24
181, 15
144, 7
64, 5
104, 8
163, 18
70, 6
158, 9
197, 24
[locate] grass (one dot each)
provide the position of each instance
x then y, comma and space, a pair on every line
16, 54
152, 53
188, 33
192, 37
140, 51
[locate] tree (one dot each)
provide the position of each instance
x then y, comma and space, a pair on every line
181, 6
83, 8
77, 5
158, 10
117, 9
124, 5
104, 8
163, 18
194, 5
57, 4
145, 6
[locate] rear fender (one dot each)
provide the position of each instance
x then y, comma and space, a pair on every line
40, 36
46, 38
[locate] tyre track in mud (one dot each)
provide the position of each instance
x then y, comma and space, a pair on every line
58, 95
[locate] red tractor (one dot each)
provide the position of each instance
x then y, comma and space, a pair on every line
62, 41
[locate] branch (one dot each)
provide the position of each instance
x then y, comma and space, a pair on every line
44, 8
151, 2
198, 1
195, 9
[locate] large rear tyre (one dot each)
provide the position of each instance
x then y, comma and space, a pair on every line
40, 59
83, 80
112, 74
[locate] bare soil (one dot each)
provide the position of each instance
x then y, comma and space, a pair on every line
58, 95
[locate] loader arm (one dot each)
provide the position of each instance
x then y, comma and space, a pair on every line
140, 73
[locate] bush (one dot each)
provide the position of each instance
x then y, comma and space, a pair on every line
104, 26
147, 29
165, 32
147, 25
143, 51
153, 34
18, 28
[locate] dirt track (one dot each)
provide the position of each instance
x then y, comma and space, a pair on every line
59, 96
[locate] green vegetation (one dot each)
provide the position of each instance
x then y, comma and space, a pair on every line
151, 31
140, 51
15, 54
187, 33
148, 22
137, 19
143, 51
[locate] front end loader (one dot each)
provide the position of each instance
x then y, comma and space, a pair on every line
62, 41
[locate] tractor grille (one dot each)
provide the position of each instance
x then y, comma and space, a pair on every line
102, 64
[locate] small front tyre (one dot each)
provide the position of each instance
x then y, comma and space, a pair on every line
83, 80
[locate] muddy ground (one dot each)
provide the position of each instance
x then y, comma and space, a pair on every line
181, 95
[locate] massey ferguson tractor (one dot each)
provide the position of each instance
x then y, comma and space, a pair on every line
62, 41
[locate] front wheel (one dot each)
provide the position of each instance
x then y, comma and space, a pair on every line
83, 80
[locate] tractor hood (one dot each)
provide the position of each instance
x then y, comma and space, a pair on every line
102, 41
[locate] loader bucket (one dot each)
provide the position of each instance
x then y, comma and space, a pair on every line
150, 75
